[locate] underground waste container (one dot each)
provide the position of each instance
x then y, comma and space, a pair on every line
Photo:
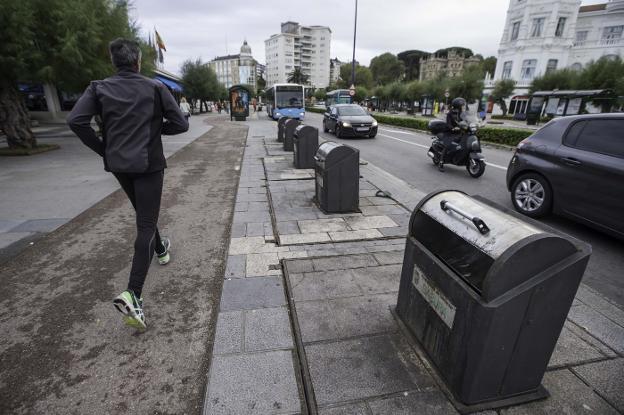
486, 292
305, 144
337, 174
289, 131
280, 128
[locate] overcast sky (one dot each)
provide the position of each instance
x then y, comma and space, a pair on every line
206, 29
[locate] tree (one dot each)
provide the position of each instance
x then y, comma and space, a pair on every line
61, 42
200, 82
360, 94
386, 68
411, 60
502, 90
443, 53
363, 76
489, 65
605, 73
562, 79
320, 94
469, 85
261, 83
298, 77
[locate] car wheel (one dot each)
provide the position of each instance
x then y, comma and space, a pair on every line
531, 195
338, 131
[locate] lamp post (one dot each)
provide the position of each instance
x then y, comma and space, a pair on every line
353, 59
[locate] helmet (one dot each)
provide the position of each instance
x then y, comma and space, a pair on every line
458, 103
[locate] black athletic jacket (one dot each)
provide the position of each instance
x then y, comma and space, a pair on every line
132, 108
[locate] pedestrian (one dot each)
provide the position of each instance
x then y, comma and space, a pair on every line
185, 108
132, 108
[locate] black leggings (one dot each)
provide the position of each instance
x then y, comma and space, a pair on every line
144, 191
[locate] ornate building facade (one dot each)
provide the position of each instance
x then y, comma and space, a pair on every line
236, 69
453, 65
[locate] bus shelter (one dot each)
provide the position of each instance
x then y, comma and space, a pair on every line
558, 103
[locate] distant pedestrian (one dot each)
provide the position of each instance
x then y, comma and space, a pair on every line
185, 108
132, 108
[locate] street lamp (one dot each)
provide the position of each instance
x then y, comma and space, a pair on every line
353, 59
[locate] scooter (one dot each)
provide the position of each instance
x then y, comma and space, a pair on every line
463, 151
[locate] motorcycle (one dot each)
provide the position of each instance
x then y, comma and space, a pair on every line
465, 149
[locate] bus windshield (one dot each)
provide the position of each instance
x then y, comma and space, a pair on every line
352, 110
289, 97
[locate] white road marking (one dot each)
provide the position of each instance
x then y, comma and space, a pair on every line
427, 147
397, 131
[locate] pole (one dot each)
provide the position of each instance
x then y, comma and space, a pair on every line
353, 59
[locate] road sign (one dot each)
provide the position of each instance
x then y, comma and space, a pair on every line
352, 92
446, 94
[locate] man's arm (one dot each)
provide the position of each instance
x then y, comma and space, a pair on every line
175, 122
79, 120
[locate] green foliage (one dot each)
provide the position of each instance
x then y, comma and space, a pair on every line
411, 60
489, 65
469, 85
386, 68
562, 79
363, 77
467, 53
298, 77
502, 90
361, 93
320, 94
261, 83
200, 81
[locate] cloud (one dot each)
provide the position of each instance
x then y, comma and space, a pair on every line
192, 29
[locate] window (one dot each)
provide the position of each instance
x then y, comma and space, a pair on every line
576, 66
528, 69
552, 65
598, 136
507, 70
581, 37
611, 35
538, 27
560, 26
515, 30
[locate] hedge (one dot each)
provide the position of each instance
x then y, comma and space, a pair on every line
507, 136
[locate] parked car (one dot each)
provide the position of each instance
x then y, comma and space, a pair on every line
349, 120
573, 166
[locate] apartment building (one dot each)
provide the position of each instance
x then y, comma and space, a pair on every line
297, 46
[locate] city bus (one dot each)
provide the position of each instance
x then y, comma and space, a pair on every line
338, 96
285, 100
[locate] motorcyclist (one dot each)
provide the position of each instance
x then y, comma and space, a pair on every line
453, 120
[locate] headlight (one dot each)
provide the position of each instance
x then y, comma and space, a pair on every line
374, 123
346, 124
279, 114
301, 114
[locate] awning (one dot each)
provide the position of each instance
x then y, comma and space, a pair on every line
171, 84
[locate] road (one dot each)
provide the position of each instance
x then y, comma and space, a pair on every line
403, 153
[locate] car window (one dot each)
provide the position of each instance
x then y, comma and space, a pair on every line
573, 133
352, 110
602, 136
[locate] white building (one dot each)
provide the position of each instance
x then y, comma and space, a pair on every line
236, 69
545, 35
304, 47
334, 70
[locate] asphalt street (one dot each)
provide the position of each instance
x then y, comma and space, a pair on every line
403, 153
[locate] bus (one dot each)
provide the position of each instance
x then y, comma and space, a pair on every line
338, 96
285, 100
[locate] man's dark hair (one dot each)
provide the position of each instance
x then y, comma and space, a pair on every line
125, 53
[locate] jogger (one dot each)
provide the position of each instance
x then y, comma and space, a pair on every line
132, 108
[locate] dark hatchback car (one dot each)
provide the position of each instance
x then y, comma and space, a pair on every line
349, 120
573, 166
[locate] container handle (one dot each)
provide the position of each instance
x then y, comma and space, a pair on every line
478, 222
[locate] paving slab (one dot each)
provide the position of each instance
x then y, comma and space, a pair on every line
364, 368
355, 235
256, 383
267, 328
344, 262
414, 403
607, 378
571, 349
252, 293
40, 225
235, 266
569, 395
262, 264
229, 334
322, 225
345, 317
599, 326
355, 409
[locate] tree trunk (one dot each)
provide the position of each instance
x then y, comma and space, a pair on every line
14, 118
503, 106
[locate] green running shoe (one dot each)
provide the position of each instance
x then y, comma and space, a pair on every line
163, 259
132, 309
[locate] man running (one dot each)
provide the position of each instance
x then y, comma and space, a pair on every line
132, 108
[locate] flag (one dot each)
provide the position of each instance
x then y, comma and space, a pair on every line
159, 41
161, 58
149, 41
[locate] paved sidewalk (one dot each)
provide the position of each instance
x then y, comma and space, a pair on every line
307, 327
65, 350
44, 191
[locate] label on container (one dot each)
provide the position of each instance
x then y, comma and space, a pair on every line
438, 301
